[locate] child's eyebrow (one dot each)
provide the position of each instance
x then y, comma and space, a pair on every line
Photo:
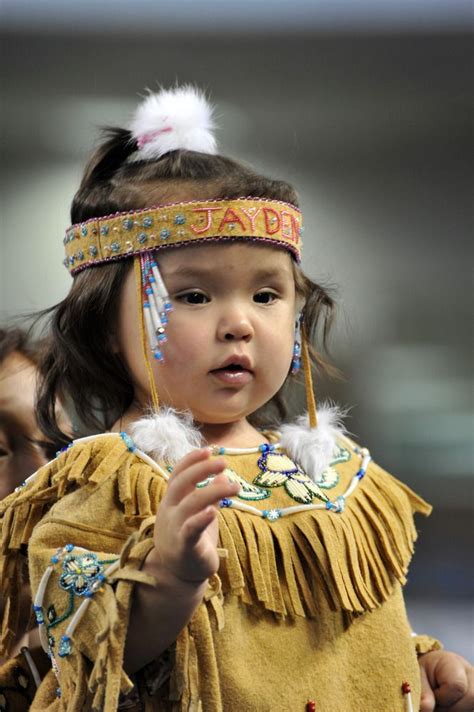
209, 272
189, 272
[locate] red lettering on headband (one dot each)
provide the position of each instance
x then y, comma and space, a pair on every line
198, 230
252, 213
272, 224
291, 228
230, 216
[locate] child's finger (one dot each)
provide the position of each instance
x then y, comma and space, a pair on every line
427, 700
210, 495
185, 482
191, 458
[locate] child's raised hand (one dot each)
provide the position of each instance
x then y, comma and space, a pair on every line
447, 682
186, 528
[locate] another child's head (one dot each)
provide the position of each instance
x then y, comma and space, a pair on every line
247, 295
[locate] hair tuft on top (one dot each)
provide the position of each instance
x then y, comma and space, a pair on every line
172, 119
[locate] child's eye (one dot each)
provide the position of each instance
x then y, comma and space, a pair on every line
192, 298
265, 297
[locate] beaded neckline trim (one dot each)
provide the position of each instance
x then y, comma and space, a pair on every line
337, 506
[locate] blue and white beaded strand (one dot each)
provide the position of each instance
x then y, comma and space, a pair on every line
156, 304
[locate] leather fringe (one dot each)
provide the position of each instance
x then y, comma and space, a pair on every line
353, 559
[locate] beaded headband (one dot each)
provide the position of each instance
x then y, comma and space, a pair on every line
123, 235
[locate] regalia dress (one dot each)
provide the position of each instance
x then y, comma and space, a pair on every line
305, 609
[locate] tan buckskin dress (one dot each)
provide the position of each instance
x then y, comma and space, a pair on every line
306, 606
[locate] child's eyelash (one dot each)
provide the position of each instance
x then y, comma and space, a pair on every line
193, 296
268, 296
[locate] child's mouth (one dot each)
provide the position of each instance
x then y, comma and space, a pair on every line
233, 374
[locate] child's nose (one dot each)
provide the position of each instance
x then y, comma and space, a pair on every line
236, 327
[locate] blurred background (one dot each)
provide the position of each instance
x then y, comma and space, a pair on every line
364, 106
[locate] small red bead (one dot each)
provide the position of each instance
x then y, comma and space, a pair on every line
406, 688
310, 706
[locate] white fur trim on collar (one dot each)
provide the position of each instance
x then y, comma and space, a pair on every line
169, 435
313, 449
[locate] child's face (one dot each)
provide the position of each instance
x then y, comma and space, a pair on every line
232, 304
20, 453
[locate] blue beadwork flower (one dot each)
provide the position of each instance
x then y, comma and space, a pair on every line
72, 259
143, 237
180, 219
80, 255
115, 246
80, 573
165, 233
127, 223
147, 222
65, 646
104, 229
83, 231
93, 251
271, 514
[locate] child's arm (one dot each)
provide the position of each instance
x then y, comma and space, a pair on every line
184, 557
447, 682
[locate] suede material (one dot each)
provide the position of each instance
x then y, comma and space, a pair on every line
310, 605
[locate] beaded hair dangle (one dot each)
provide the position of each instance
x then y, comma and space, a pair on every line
153, 304
156, 304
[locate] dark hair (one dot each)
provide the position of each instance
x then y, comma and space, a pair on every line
16, 340
79, 365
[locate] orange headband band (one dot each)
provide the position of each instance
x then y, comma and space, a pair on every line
122, 235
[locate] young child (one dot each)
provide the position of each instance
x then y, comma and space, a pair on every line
200, 554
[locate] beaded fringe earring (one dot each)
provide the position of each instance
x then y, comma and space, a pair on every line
153, 304
296, 361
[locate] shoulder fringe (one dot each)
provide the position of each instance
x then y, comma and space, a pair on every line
90, 461
353, 559
194, 679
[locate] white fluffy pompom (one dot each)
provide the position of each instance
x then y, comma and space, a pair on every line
167, 435
172, 119
313, 449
